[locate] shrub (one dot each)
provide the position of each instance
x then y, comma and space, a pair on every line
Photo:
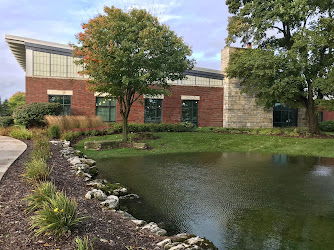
54, 132
57, 216
5, 131
37, 170
70, 135
155, 127
42, 192
71, 122
6, 121
327, 126
83, 244
33, 114
20, 133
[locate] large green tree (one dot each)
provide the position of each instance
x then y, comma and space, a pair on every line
292, 62
128, 54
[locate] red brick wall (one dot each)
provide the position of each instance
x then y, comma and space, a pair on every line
327, 115
210, 106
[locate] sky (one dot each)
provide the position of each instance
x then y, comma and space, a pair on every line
202, 24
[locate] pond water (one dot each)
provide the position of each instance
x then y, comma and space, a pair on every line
236, 200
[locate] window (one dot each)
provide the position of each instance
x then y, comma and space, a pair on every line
153, 110
41, 63
64, 100
106, 109
283, 116
190, 111
58, 65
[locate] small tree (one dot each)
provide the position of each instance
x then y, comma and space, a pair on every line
17, 100
294, 66
4, 109
130, 54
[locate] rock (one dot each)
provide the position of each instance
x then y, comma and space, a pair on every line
87, 177
129, 197
74, 160
66, 143
104, 240
139, 145
126, 215
98, 183
154, 228
164, 242
170, 245
111, 202
80, 173
55, 142
82, 166
183, 236
195, 240
139, 222
120, 191
89, 162
180, 247
96, 194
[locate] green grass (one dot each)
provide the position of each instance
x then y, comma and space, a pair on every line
217, 142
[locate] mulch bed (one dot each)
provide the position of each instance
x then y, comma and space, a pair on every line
115, 231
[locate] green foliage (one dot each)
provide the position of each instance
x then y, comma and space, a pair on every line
33, 114
125, 53
42, 193
17, 100
70, 136
6, 121
57, 216
295, 66
83, 244
20, 133
327, 126
4, 109
156, 127
37, 170
54, 132
41, 148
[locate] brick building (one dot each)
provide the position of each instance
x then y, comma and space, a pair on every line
205, 98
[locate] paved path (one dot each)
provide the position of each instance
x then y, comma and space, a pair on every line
10, 150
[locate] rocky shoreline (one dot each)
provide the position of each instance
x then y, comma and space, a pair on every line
110, 194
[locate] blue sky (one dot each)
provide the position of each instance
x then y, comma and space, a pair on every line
202, 24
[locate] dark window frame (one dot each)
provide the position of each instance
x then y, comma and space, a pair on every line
284, 116
63, 103
155, 108
190, 111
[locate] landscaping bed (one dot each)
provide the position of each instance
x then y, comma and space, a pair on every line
105, 229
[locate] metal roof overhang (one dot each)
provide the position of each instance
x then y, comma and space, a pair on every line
18, 49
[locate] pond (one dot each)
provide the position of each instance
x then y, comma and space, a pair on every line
236, 200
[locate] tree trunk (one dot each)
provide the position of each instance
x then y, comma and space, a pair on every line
125, 128
312, 118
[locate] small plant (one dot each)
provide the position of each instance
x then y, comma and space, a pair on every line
57, 216
20, 133
36, 171
70, 136
42, 192
83, 244
54, 132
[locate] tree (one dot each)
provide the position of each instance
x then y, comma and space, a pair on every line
130, 54
4, 109
17, 100
293, 66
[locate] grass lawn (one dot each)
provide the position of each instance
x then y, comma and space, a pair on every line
213, 142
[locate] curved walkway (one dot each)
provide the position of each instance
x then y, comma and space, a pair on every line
10, 150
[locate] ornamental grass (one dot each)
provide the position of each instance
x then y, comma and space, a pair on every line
37, 170
70, 122
83, 244
42, 193
57, 216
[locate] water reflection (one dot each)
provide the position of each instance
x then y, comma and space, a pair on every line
237, 200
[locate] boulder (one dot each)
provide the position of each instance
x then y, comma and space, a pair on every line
98, 183
129, 197
89, 162
195, 240
96, 194
87, 177
74, 160
111, 202
164, 242
139, 145
139, 222
154, 228
82, 166
120, 191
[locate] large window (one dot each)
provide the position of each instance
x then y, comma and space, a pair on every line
106, 108
190, 111
284, 116
64, 100
153, 110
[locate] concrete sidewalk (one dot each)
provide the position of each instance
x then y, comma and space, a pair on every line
10, 150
